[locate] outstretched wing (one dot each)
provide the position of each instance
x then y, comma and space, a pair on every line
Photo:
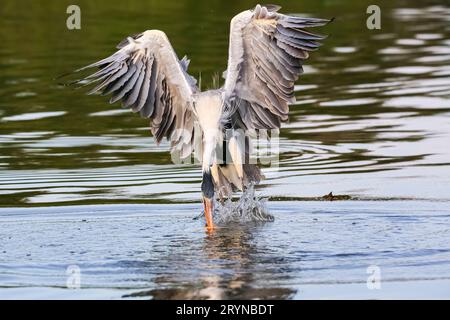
147, 77
266, 53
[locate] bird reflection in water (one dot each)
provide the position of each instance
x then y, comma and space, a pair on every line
230, 266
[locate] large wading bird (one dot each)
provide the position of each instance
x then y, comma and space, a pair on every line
266, 53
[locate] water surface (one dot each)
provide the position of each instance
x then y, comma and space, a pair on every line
160, 252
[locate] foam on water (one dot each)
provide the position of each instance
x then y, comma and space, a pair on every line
249, 207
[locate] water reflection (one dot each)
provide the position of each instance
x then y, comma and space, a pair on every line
160, 252
228, 266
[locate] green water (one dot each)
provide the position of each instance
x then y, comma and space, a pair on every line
372, 119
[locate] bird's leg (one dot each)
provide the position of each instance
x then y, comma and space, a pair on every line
208, 206
208, 200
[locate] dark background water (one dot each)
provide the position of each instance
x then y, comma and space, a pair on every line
372, 118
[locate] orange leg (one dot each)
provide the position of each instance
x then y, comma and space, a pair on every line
208, 206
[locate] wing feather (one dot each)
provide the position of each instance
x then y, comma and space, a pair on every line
266, 54
116, 85
147, 76
136, 89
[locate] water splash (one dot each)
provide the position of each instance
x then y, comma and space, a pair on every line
249, 207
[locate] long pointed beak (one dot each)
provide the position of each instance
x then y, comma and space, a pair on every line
208, 206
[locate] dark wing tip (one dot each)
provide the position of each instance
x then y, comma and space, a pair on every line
62, 76
125, 41
272, 7
61, 80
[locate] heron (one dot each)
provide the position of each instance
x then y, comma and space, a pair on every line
266, 52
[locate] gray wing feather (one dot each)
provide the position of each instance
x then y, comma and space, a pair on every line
144, 90
121, 92
135, 91
148, 108
146, 75
266, 54
119, 82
